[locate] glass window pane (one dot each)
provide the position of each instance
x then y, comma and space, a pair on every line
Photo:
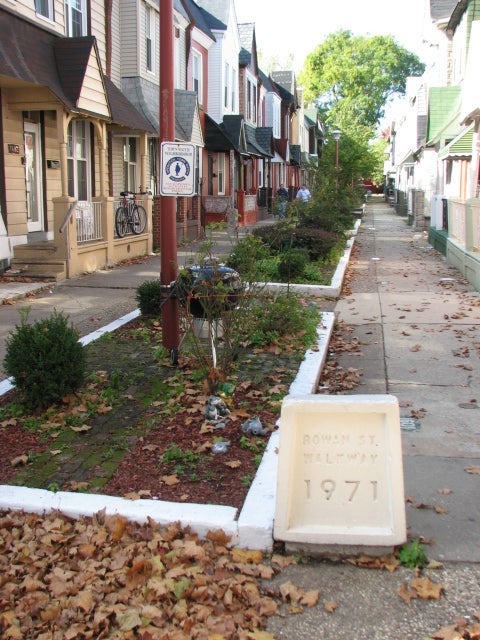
82, 180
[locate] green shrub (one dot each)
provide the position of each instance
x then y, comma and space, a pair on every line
317, 242
148, 296
246, 255
330, 215
278, 237
292, 264
45, 359
284, 315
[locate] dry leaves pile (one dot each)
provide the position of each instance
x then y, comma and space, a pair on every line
335, 378
463, 629
105, 577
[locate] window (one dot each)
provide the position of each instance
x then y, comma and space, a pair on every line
75, 18
44, 8
78, 154
226, 89
130, 164
197, 75
221, 173
149, 38
254, 105
234, 90
249, 100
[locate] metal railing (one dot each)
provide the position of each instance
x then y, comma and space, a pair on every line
475, 239
456, 220
89, 221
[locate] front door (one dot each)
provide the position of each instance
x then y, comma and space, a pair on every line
33, 177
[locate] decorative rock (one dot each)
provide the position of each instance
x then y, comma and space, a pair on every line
254, 426
216, 408
221, 447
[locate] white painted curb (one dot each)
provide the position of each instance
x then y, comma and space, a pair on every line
254, 527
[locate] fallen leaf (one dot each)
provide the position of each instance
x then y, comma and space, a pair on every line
233, 464
426, 589
440, 510
330, 606
310, 598
83, 429
475, 470
170, 480
19, 460
406, 593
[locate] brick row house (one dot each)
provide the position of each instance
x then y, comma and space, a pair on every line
79, 115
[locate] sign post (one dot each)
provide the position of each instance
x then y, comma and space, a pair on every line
168, 214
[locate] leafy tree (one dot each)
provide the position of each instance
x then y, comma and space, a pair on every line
352, 78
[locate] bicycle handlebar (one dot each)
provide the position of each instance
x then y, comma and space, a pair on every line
132, 193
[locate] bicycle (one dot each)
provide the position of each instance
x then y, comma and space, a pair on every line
130, 214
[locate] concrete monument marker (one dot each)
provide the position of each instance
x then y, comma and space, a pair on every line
340, 471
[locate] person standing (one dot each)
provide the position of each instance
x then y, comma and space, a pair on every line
282, 199
303, 194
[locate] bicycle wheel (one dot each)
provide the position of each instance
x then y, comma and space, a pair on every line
139, 220
121, 221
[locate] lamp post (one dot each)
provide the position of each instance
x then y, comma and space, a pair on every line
336, 133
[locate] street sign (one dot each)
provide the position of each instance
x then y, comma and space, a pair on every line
178, 169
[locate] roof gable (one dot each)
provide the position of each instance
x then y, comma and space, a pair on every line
248, 51
187, 119
79, 70
444, 104
441, 10
199, 17
217, 13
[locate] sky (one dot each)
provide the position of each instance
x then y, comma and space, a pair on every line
283, 26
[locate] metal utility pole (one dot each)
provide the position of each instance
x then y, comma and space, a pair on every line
168, 221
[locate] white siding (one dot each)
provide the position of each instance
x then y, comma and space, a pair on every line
116, 75
129, 34
181, 62
97, 19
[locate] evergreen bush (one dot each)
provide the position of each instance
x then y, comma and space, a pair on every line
45, 359
317, 242
148, 296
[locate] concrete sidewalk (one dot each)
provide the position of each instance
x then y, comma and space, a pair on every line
418, 325
417, 322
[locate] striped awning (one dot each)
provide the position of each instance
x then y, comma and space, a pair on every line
459, 147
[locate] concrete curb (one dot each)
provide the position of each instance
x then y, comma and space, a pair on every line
254, 527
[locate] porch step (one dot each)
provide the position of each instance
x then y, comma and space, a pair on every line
36, 261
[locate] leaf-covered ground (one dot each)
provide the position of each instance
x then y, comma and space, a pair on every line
104, 577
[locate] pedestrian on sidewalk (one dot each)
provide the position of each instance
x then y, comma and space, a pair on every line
303, 194
282, 199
